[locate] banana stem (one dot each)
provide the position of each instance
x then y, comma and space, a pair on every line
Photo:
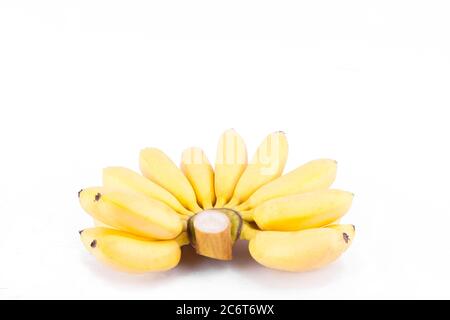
248, 232
182, 239
246, 215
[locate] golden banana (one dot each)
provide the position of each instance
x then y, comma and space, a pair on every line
312, 176
301, 250
303, 211
131, 212
198, 170
156, 166
231, 161
267, 164
129, 253
123, 178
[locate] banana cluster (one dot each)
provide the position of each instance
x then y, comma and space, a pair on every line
291, 221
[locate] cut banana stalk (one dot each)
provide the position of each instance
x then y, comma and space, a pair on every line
213, 232
213, 235
267, 164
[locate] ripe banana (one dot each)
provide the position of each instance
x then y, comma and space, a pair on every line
231, 161
303, 211
126, 179
156, 166
301, 250
129, 253
312, 176
267, 164
131, 212
198, 170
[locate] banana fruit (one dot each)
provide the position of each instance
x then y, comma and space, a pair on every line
312, 176
299, 251
302, 211
267, 164
156, 166
292, 222
231, 161
128, 180
198, 170
131, 212
129, 253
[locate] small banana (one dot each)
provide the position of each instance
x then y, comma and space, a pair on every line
130, 253
123, 178
131, 212
312, 176
267, 164
157, 166
198, 170
301, 250
302, 211
231, 161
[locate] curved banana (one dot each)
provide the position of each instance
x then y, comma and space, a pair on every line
301, 250
231, 161
123, 178
312, 176
130, 253
157, 166
302, 211
198, 170
131, 212
267, 164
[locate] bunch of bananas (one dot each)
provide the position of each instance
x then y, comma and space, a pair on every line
290, 221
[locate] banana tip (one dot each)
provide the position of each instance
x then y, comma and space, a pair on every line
81, 231
79, 192
346, 237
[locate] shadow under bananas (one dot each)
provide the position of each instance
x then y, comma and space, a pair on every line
243, 264
253, 272
124, 280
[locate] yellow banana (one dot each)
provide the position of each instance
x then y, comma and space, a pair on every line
301, 250
198, 170
267, 164
129, 253
131, 212
156, 166
312, 176
302, 211
123, 178
231, 161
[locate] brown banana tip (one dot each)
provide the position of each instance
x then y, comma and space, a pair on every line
93, 243
79, 192
98, 196
346, 237
81, 231
354, 228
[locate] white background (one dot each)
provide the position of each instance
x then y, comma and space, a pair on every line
87, 84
